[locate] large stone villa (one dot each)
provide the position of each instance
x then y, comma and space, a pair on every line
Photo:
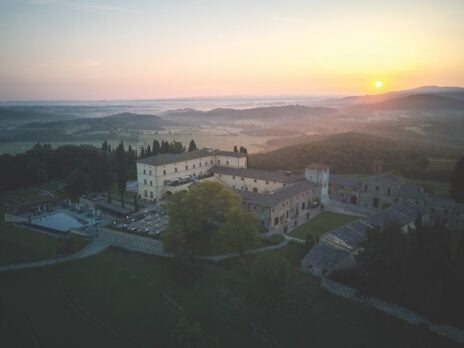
279, 197
276, 197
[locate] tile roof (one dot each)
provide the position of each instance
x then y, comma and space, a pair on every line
271, 199
346, 180
258, 174
168, 158
323, 256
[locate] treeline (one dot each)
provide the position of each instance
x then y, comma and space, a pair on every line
354, 153
42, 163
423, 270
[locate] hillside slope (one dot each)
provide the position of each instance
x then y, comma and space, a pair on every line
354, 153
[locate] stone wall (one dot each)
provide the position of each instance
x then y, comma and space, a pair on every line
394, 310
131, 242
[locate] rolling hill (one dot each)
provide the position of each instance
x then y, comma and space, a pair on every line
354, 153
83, 129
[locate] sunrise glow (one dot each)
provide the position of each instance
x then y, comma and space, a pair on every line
121, 50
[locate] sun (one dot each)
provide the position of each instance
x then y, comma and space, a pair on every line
378, 84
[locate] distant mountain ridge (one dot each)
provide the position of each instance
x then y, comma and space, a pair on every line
451, 92
422, 102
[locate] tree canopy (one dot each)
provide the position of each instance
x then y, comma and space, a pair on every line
457, 182
195, 215
422, 270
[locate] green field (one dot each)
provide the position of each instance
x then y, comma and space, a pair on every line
436, 188
322, 223
19, 245
122, 299
441, 164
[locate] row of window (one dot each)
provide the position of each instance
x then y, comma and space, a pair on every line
146, 194
145, 182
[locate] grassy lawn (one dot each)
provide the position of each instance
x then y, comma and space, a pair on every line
441, 164
19, 245
121, 299
437, 188
322, 223
220, 245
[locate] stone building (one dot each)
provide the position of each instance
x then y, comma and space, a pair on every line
165, 174
277, 197
387, 189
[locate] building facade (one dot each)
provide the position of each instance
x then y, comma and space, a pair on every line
277, 197
165, 174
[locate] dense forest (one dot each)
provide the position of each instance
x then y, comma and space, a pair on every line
423, 270
355, 153
88, 167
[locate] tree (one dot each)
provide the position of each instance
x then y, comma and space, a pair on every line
177, 147
192, 146
243, 149
165, 148
78, 184
194, 217
136, 203
121, 170
240, 229
235, 148
156, 147
457, 182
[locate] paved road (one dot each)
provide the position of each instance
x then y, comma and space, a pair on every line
133, 243
247, 252
92, 248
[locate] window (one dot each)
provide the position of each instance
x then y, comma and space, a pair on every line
150, 171
144, 181
376, 188
151, 183
175, 170
219, 161
145, 193
193, 166
254, 180
255, 189
267, 182
186, 167
211, 161
365, 188
206, 163
151, 194
227, 162
388, 191
233, 177
276, 221
164, 172
144, 171
242, 178
200, 164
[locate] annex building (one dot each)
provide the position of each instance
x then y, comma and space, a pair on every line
276, 197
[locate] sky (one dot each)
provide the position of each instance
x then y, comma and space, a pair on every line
148, 49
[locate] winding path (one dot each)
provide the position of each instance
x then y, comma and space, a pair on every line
130, 242
90, 249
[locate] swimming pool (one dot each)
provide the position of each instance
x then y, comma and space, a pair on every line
59, 221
